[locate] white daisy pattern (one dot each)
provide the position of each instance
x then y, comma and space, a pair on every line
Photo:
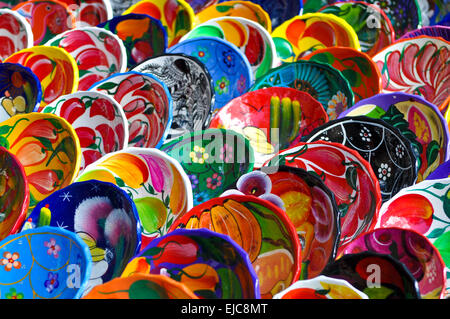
400, 151
384, 171
365, 134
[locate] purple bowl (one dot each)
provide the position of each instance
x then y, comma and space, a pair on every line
442, 171
432, 31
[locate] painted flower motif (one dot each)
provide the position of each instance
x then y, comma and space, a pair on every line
202, 53
10, 261
228, 58
198, 155
53, 248
337, 105
13, 294
226, 153
194, 181
384, 5
365, 134
222, 85
400, 151
241, 84
214, 181
200, 198
52, 282
384, 171
324, 138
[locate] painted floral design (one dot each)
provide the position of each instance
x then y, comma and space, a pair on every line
194, 180
10, 261
400, 151
198, 155
14, 294
241, 84
52, 282
337, 105
214, 181
226, 153
13, 35
365, 134
53, 248
384, 171
222, 85
228, 58
202, 54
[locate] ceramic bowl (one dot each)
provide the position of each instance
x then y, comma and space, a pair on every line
142, 35
321, 287
372, 26
431, 31
213, 159
146, 102
410, 248
156, 182
402, 67
347, 175
15, 196
261, 228
229, 68
90, 13
323, 82
200, 5
15, 33
190, 86
98, 53
47, 147
306, 33
55, 68
98, 120
47, 18
442, 171
103, 216
141, 286
418, 120
20, 90
210, 264
388, 152
44, 263
176, 16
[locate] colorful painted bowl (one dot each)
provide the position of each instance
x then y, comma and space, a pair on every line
321, 287
261, 228
200, 5
229, 68
417, 65
431, 31
210, 264
442, 171
323, 82
410, 248
20, 90
157, 183
103, 216
90, 13
372, 26
306, 33
418, 120
98, 53
143, 36
146, 102
176, 16
190, 86
141, 286
213, 159
55, 68
348, 176
98, 120
15, 33
388, 152
252, 39
47, 147
44, 263
15, 196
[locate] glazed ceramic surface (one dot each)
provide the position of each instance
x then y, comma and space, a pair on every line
431, 31
98, 120
90, 12
323, 82
190, 86
44, 263
15, 33
158, 185
146, 102
98, 53
229, 68
210, 264
261, 228
442, 171
200, 5
213, 159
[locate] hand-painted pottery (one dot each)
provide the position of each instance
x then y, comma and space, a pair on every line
98, 53
419, 65
20, 90
442, 171
379, 276
55, 68
372, 26
200, 5
388, 152
323, 82
103, 216
210, 264
15, 33
47, 18
90, 13
357, 67
119, 6
418, 120
228, 66
410, 248
14, 194
190, 87
261, 228
141, 286
250, 37
157, 183
98, 120
47, 147
435, 31
143, 36
213, 159
304, 34
176, 16
321, 287
44, 263
434, 12
146, 102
